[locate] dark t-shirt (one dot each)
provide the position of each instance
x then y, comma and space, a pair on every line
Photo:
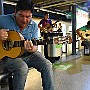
45, 22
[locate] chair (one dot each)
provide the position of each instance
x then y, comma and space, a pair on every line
5, 76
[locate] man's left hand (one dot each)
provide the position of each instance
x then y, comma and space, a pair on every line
28, 45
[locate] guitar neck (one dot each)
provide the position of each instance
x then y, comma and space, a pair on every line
36, 42
10, 44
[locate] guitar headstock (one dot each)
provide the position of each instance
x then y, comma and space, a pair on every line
47, 41
38, 42
58, 20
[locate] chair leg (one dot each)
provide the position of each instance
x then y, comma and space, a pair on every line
10, 83
0, 87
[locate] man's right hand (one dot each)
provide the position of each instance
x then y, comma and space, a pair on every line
3, 34
82, 38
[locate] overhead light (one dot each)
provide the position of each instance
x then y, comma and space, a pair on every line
48, 10
60, 13
8, 2
36, 8
42, 9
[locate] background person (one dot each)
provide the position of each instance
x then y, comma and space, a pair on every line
84, 28
83, 35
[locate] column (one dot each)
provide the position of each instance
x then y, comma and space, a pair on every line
1, 7
73, 29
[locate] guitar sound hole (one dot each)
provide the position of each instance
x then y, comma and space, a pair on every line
7, 45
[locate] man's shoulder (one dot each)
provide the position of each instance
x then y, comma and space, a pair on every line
32, 22
42, 20
5, 17
49, 19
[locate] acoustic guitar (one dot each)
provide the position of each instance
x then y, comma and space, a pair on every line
48, 27
13, 46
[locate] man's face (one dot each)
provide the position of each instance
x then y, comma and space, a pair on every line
46, 16
23, 18
88, 26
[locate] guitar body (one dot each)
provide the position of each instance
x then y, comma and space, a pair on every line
84, 34
7, 49
46, 28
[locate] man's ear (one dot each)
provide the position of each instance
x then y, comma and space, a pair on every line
15, 12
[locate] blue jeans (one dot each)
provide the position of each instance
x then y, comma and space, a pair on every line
19, 68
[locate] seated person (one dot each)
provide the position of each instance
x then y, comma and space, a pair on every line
84, 28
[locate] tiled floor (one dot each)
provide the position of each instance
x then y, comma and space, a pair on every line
33, 80
76, 77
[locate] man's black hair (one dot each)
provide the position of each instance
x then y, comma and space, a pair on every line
88, 23
46, 13
24, 5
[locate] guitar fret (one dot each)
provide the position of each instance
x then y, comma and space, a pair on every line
18, 44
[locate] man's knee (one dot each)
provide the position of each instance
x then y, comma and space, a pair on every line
49, 64
24, 69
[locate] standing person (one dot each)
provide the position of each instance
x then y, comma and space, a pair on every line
21, 21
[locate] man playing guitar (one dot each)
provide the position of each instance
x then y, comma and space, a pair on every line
46, 23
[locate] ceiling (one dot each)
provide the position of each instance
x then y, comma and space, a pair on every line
63, 7
59, 5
